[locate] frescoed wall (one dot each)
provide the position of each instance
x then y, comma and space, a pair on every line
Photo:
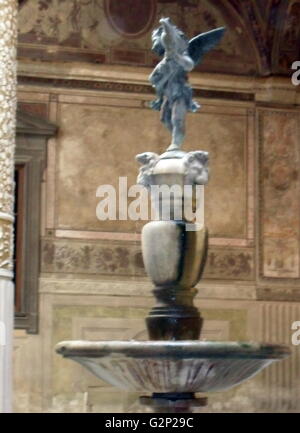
83, 65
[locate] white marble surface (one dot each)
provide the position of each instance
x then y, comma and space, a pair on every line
165, 366
6, 325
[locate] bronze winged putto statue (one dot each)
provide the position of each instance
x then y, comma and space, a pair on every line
169, 78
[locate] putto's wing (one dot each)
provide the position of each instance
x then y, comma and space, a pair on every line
201, 44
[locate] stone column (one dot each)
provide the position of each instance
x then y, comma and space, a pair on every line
8, 33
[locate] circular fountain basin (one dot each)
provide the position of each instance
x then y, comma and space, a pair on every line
172, 366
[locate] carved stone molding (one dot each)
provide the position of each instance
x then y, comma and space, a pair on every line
6, 234
148, 161
194, 167
110, 86
7, 129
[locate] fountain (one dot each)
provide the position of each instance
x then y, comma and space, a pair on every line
174, 364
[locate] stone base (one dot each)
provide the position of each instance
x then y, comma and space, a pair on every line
174, 322
173, 402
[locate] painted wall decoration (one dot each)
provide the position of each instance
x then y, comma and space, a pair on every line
280, 194
124, 259
131, 18
110, 31
289, 47
263, 37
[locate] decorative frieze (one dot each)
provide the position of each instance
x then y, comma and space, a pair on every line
230, 263
125, 258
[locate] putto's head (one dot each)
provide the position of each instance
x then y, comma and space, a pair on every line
177, 36
157, 46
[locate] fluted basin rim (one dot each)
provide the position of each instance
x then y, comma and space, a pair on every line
172, 349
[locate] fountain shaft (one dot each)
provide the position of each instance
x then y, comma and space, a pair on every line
174, 249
